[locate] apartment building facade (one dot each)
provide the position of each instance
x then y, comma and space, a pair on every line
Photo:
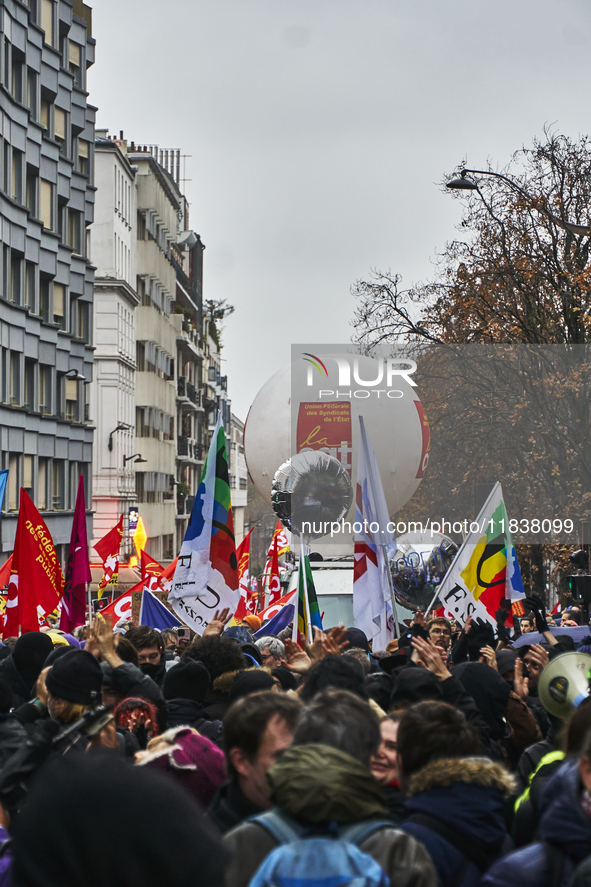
46, 279
238, 476
158, 380
113, 250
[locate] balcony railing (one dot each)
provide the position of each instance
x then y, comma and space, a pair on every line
188, 447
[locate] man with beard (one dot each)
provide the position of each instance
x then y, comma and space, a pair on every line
150, 649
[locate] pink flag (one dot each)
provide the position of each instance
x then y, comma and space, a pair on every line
77, 568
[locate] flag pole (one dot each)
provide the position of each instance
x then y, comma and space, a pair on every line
89, 600
309, 632
433, 599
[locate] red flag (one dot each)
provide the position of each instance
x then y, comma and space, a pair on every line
243, 558
274, 583
36, 581
151, 572
120, 608
77, 568
167, 574
289, 598
279, 536
107, 549
5, 572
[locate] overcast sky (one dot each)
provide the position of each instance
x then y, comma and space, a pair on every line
318, 130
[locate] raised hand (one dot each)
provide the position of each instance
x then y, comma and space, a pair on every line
520, 684
333, 644
295, 658
431, 657
219, 622
487, 654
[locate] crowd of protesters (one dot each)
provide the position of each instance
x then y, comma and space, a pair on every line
130, 756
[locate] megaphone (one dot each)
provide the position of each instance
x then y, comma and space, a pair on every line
564, 683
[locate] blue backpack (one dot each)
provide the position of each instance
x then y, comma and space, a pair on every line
306, 858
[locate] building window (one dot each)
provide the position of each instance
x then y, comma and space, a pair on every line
31, 191
6, 168
76, 64
44, 116
44, 300
46, 203
7, 63
72, 414
32, 92
18, 70
30, 278
42, 485
17, 175
13, 481
29, 384
59, 129
45, 389
28, 475
82, 329
75, 230
140, 357
15, 278
58, 484
83, 157
17, 77
4, 375
59, 298
47, 20
15, 378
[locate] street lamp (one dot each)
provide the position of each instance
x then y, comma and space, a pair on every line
75, 375
127, 459
120, 427
463, 183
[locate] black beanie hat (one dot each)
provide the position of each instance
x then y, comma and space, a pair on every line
76, 677
29, 655
286, 678
248, 681
187, 680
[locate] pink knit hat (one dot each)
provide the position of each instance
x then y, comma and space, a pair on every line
194, 761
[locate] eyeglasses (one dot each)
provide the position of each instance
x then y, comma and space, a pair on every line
444, 631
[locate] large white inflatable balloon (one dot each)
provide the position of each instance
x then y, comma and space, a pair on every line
315, 403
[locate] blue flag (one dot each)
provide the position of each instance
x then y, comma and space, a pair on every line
279, 621
3, 482
154, 614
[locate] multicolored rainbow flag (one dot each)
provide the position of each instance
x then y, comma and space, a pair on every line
206, 575
308, 613
485, 570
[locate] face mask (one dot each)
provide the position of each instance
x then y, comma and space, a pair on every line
154, 671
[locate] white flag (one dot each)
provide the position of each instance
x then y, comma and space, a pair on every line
372, 606
485, 570
206, 576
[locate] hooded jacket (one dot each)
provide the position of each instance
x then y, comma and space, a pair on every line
467, 794
564, 823
316, 784
217, 702
509, 721
187, 713
22, 691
